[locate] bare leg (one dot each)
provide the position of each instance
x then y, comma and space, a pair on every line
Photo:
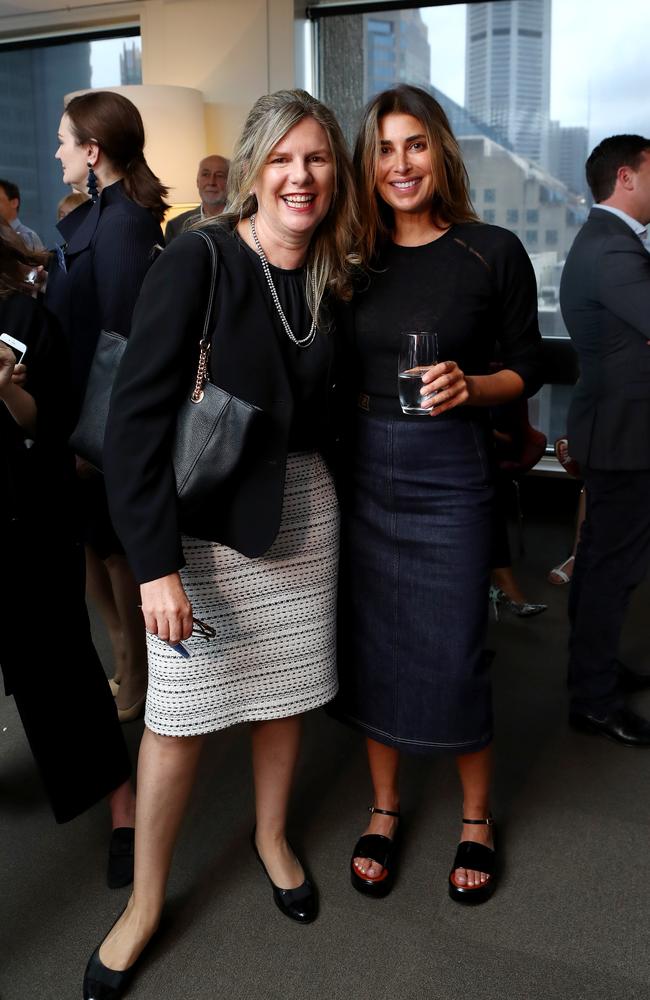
133, 683
475, 772
384, 771
166, 772
100, 592
564, 571
275, 752
122, 805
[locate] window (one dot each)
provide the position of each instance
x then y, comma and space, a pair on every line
512, 216
489, 215
489, 195
34, 79
551, 237
531, 237
532, 215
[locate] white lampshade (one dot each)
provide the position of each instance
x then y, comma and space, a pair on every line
174, 128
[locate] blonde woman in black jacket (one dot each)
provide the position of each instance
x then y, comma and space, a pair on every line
258, 569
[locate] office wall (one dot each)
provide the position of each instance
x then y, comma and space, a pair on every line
231, 51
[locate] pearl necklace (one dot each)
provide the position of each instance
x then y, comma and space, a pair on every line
311, 336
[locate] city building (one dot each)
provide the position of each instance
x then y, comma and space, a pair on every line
33, 82
131, 63
511, 191
396, 50
508, 69
568, 149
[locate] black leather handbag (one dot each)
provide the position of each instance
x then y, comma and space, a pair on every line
212, 427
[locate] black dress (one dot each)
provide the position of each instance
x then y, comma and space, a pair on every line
68, 715
418, 513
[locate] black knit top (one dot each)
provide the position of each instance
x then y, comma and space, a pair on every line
474, 287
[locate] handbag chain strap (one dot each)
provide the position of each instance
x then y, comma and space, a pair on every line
204, 346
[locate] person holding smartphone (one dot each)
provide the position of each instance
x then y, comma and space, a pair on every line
76, 739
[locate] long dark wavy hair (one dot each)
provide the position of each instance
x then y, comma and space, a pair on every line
451, 202
115, 124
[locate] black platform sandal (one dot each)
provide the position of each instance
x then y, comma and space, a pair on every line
477, 858
381, 850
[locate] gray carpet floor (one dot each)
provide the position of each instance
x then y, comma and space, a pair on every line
570, 919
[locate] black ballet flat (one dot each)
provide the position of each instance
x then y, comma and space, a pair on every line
300, 904
478, 858
383, 851
102, 983
120, 857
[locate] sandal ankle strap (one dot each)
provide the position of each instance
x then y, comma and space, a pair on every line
383, 812
482, 822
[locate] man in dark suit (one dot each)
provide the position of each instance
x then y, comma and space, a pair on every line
212, 182
605, 300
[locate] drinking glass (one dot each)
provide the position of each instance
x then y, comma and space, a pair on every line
418, 351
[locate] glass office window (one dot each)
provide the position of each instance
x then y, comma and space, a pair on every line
526, 102
33, 81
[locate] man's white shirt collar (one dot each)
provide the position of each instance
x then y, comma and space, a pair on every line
634, 224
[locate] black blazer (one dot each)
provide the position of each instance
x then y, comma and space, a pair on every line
179, 224
605, 300
156, 373
109, 248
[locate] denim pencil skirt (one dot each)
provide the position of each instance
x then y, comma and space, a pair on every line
413, 595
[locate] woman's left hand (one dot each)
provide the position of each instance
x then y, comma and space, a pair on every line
7, 366
19, 376
444, 386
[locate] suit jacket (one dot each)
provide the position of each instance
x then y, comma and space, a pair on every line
110, 246
605, 301
180, 223
245, 359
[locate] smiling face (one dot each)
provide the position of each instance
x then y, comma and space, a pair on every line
404, 177
73, 157
294, 188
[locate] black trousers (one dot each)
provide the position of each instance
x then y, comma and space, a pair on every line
51, 668
612, 559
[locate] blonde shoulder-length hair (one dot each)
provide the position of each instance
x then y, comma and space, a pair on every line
451, 202
332, 257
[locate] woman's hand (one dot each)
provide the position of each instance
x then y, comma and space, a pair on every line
7, 366
19, 376
166, 609
448, 383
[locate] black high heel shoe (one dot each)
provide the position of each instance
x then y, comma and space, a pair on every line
478, 858
381, 850
299, 904
102, 983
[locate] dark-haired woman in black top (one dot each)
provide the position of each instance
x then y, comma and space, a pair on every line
417, 525
110, 245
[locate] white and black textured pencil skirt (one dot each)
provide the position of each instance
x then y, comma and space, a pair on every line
274, 654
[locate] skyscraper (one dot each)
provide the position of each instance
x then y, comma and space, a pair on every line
508, 70
397, 50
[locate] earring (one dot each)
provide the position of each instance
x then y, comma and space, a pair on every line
91, 183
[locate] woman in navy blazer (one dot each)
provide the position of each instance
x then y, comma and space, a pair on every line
110, 243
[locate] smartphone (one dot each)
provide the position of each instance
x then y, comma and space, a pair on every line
17, 346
